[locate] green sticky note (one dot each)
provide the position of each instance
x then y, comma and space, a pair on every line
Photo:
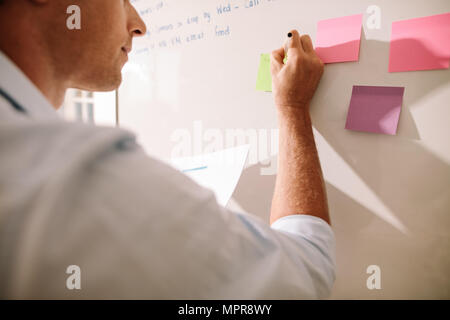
264, 79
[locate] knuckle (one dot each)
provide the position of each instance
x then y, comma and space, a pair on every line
311, 62
318, 63
305, 37
320, 68
321, 64
313, 65
294, 57
294, 54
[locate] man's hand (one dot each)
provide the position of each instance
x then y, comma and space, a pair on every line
299, 188
295, 82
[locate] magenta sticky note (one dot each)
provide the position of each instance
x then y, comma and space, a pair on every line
375, 109
338, 39
420, 44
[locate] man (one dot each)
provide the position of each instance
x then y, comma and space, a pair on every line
133, 227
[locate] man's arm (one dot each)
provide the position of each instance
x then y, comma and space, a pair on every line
299, 186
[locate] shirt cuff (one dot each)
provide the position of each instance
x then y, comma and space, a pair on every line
314, 229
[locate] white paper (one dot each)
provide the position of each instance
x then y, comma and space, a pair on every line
219, 171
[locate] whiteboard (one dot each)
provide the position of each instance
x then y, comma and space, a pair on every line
189, 88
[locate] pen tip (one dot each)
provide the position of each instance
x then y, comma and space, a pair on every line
289, 34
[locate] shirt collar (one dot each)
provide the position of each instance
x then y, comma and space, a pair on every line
23, 91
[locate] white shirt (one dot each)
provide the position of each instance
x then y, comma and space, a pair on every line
75, 194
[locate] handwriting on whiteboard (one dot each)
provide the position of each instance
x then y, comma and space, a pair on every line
182, 29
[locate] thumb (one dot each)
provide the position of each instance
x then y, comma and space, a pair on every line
276, 60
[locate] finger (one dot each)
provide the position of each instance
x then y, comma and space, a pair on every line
276, 59
307, 43
294, 41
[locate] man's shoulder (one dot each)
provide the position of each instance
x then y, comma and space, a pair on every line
29, 146
99, 155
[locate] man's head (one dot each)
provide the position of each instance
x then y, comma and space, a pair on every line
90, 58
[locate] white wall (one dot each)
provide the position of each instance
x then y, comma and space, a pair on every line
388, 195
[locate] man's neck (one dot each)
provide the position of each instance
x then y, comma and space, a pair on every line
40, 72
30, 55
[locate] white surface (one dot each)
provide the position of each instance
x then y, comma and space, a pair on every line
219, 171
105, 108
389, 196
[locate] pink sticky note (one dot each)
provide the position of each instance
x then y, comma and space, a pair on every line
420, 44
375, 109
338, 39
